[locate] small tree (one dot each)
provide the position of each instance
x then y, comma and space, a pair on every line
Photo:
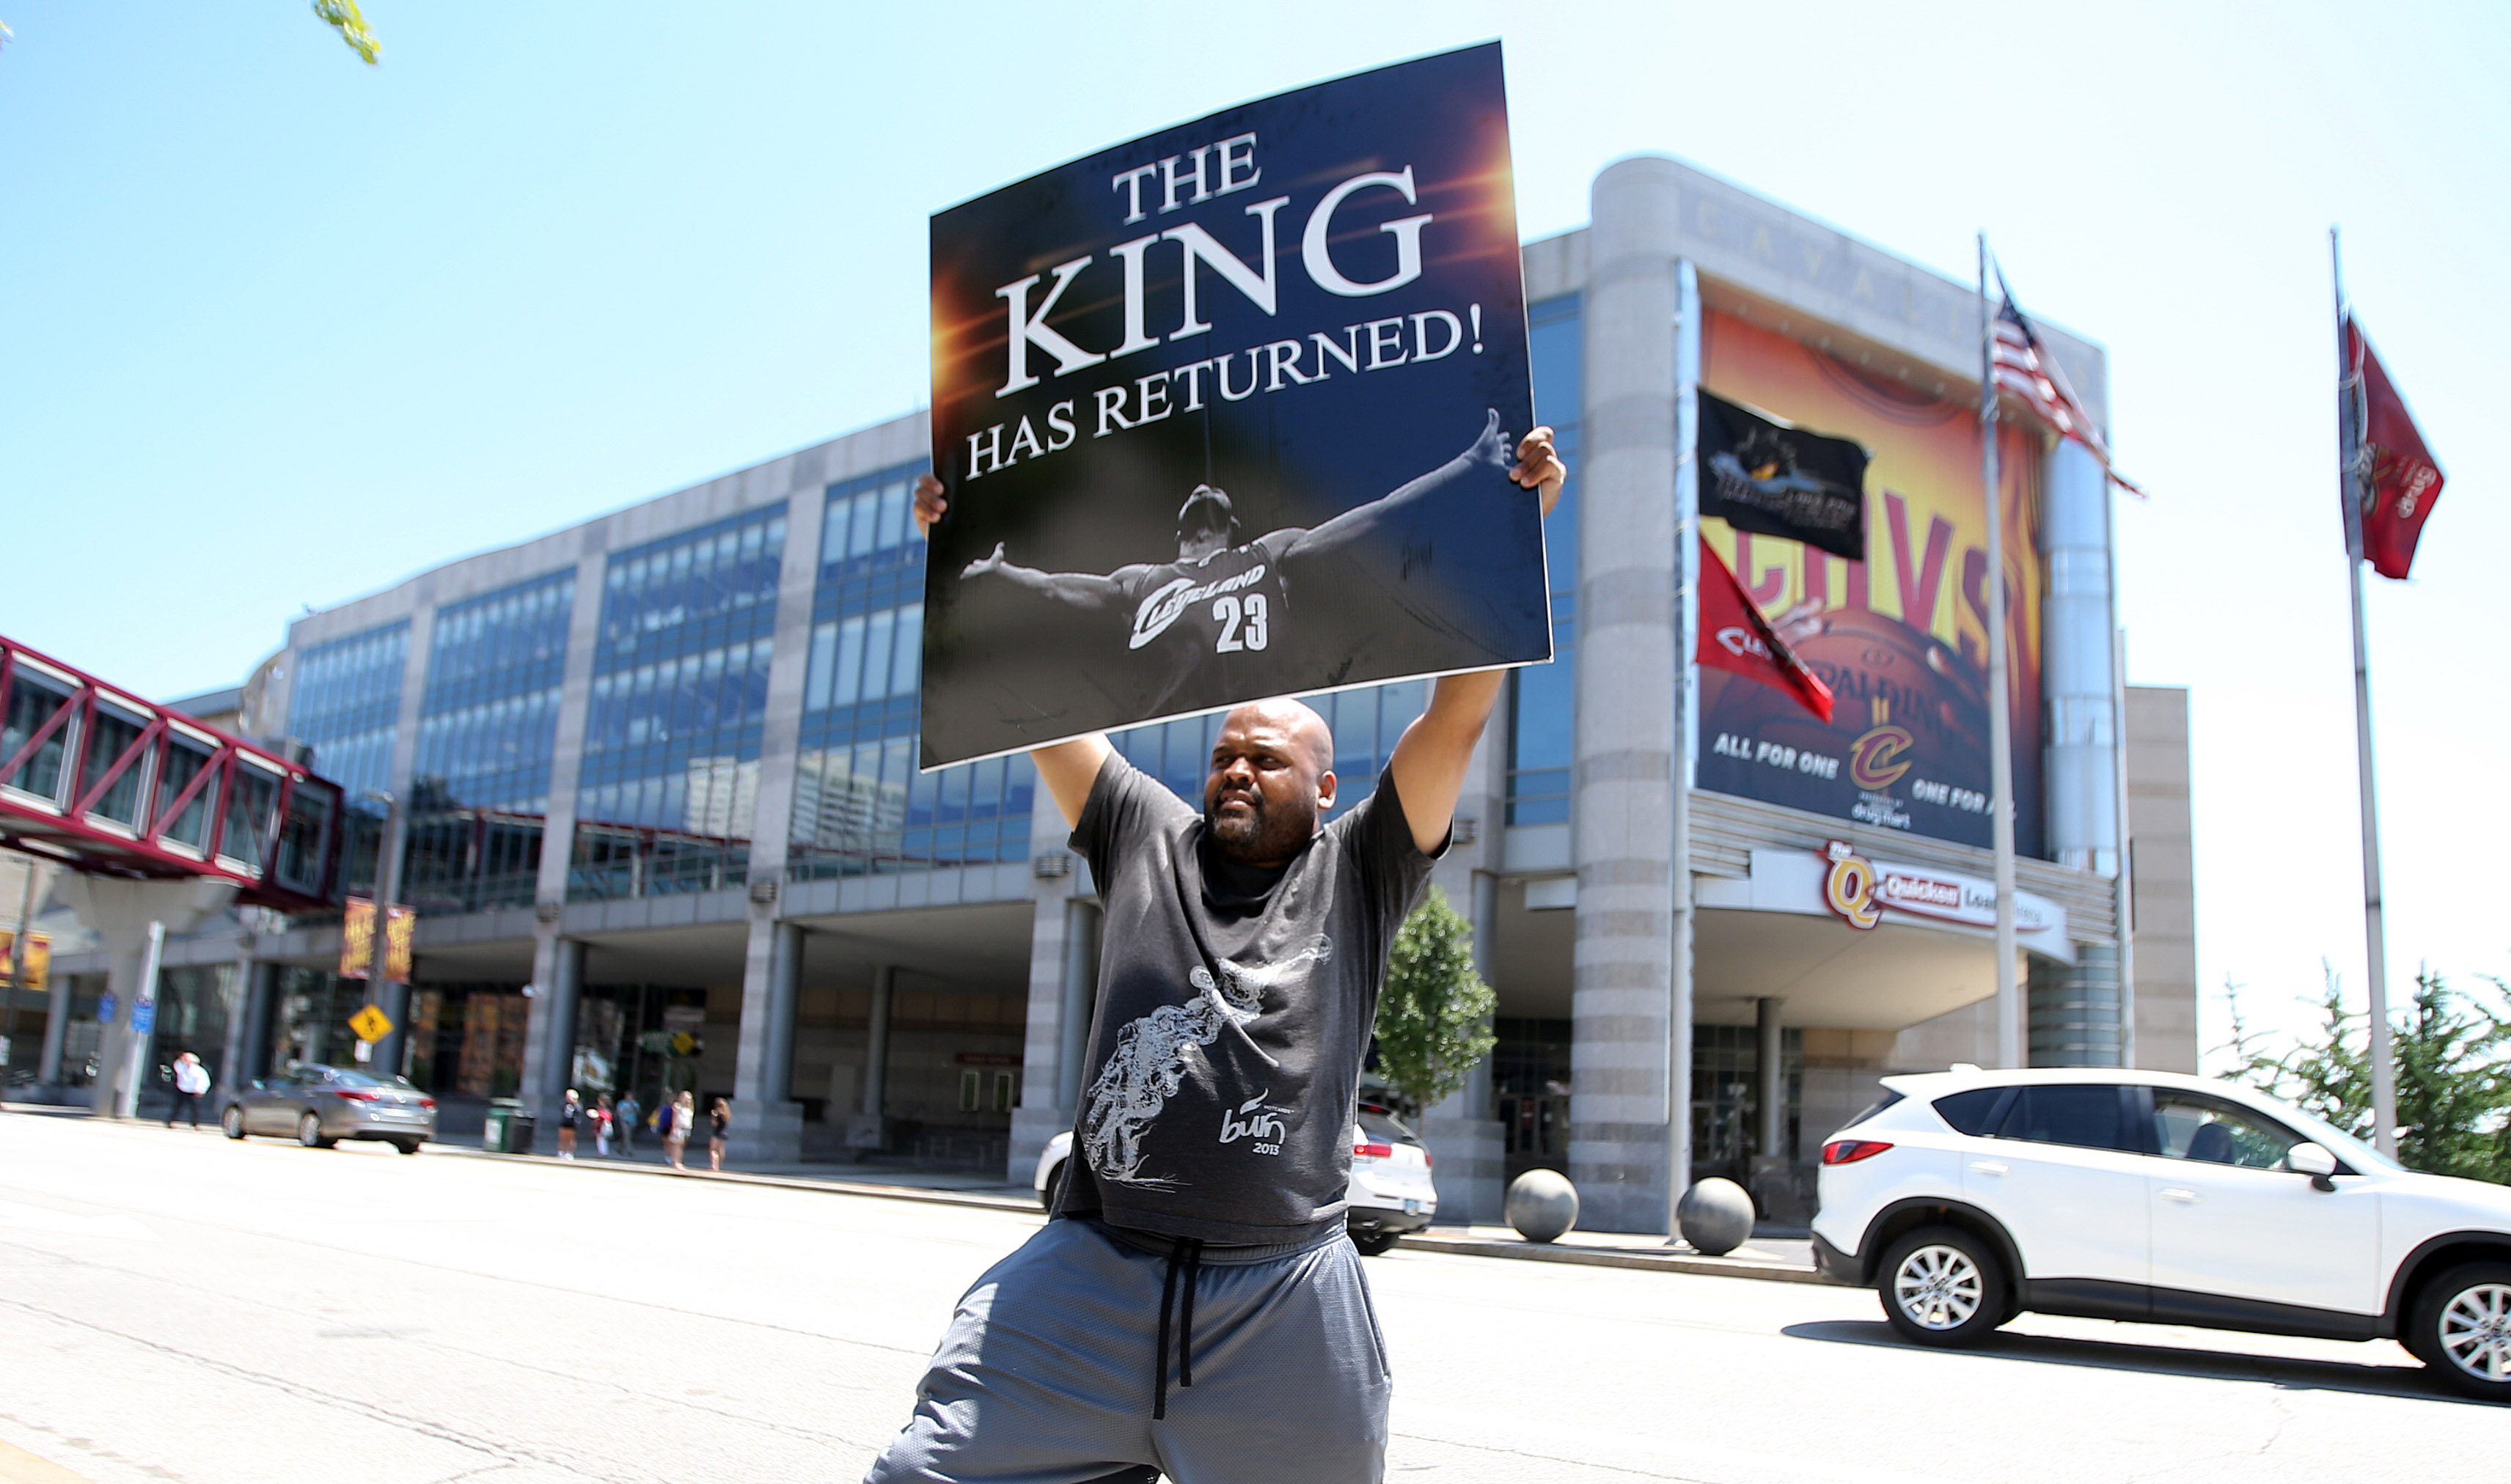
1434, 1013
2453, 1055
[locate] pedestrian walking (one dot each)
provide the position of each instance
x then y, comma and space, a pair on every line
191, 1080
569, 1113
683, 1114
1237, 983
719, 1124
629, 1111
602, 1124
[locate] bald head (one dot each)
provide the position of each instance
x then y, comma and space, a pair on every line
1271, 780
1295, 719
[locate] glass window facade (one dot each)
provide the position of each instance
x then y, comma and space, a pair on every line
346, 704
487, 729
859, 803
1542, 698
680, 691
487, 722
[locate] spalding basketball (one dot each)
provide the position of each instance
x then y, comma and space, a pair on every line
1918, 705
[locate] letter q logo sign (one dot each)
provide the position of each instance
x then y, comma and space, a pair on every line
1849, 887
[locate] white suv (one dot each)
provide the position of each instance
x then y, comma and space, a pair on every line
1390, 1191
1965, 1198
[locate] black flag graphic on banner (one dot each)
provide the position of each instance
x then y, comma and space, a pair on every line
1772, 478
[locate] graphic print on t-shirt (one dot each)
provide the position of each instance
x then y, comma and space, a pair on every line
1149, 1063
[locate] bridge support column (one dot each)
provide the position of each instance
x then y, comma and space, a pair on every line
121, 912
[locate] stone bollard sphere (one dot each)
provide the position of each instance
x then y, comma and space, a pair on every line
1716, 1216
1542, 1204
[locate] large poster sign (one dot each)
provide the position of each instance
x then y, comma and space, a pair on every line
1227, 413
1901, 638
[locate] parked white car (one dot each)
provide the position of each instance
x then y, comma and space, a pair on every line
1390, 1191
1965, 1198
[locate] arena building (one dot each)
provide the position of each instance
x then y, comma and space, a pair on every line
653, 783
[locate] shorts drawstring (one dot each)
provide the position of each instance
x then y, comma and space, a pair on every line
1189, 1251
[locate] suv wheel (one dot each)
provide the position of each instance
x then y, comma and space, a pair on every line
1942, 1286
1373, 1243
231, 1123
309, 1132
2461, 1328
1054, 1183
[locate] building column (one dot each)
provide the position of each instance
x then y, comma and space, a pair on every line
1463, 1135
549, 1034
2076, 1017
867, 1131
1083, 922
56, 1032
1769, 1073
248, 1027
1062, 968
766, 1123
1622, 818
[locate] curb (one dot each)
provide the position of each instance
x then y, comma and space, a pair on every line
1641, 1260
1610, 1257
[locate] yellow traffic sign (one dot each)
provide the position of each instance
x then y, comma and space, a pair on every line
370, 1024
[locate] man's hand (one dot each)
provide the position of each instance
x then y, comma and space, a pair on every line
1539, 466
930, 506
982, 564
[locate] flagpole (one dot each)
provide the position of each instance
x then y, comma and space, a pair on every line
1686, 713
2375, 950
2000, 742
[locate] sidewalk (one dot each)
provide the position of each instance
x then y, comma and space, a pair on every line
1777, 1259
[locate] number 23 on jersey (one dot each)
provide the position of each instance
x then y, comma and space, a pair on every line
1243, 621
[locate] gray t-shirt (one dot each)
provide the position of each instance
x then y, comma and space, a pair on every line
1234, 1010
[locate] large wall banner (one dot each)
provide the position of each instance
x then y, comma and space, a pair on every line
1227, 413
1901, 638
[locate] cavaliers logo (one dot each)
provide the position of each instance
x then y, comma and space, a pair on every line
1849, 887
1876, 762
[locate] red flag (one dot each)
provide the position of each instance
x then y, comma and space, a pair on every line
2393, 474
1734, 636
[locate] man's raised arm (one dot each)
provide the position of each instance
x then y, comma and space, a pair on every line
1430, 761
1360, 520
1067, 769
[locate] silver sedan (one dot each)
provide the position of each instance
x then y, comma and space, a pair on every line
319, 1105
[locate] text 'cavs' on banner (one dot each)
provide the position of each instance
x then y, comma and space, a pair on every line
1228, 412
1900, 637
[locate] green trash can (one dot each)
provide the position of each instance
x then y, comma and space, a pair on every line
497, 1134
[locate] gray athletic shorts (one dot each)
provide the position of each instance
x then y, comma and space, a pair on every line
1047, 1374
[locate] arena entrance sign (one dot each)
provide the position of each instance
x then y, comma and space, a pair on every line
1227, 413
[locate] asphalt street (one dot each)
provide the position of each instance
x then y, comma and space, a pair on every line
177, 1308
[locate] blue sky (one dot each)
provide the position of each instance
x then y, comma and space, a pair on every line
282, 329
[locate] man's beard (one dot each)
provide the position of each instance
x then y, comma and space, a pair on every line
1261, 836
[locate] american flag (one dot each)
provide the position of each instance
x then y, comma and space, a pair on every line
2022, 367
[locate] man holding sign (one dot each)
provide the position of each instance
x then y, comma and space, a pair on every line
1195, 1308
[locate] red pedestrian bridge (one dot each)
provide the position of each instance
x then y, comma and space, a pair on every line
109, 784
